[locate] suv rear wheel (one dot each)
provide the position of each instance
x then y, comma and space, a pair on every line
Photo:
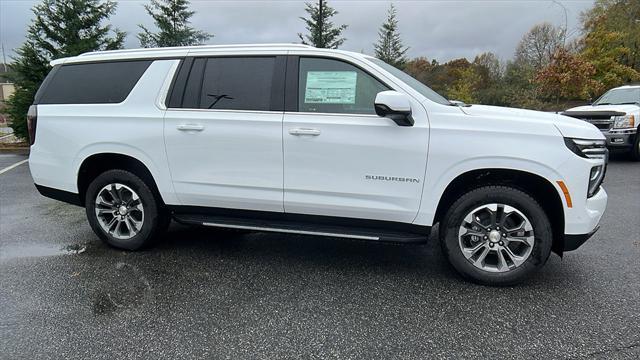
123, 211
496, 235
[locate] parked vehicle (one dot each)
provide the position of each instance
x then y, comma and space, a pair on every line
617, 115
294, 139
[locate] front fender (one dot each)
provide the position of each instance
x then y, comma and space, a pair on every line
435, 186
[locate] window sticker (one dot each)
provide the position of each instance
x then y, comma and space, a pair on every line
331, 87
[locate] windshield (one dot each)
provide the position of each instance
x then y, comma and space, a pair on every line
415, 84
620, 96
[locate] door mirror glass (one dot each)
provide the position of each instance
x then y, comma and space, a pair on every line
395, 106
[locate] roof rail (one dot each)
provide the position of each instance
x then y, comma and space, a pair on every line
198, 47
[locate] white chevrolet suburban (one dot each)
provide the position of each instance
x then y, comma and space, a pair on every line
617, 115
294, 139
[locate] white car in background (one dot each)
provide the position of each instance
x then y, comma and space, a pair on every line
617, 115
293, 139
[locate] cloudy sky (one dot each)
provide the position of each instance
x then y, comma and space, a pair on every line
442, 30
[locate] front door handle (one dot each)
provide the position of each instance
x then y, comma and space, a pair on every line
190, 127
304, 131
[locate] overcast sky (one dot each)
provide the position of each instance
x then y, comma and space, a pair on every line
442, 30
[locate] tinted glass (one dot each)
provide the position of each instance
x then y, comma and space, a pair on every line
235, 83
194, 85
333, 86
97, 83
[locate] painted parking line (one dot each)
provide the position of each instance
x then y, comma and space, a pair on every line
13, 166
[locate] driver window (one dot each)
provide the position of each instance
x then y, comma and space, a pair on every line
333, 86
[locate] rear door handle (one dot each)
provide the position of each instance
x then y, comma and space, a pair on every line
304, 131
190, 127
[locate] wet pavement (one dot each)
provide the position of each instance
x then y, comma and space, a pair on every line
224, 294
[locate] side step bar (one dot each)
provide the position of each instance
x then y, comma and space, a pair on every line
291, 231
304, 228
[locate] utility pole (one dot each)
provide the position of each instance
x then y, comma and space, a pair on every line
4, 59
566, 21
320, 23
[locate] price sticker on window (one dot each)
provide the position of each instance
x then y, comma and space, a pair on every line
331, 87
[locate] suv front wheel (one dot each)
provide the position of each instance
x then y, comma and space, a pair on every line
635, 150
496, 235
123, 211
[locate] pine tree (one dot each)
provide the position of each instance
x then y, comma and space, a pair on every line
322, 32
61, 28
171, 17
389, 47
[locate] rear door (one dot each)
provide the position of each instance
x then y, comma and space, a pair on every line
223, 132
340, 158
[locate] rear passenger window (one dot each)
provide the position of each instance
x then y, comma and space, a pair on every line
230, 83
333, 86
96, 83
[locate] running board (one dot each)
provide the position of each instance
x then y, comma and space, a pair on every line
291, 231
303, 228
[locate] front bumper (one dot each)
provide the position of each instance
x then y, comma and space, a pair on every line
572, 242
585, 221
619, 139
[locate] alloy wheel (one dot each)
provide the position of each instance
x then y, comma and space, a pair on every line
119, 211
496, 237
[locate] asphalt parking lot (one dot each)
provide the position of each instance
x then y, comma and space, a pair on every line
221, 294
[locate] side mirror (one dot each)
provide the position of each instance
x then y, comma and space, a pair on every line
459, 103
395, 106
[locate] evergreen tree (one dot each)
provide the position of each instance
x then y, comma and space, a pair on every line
172, 19
322, 32
389, 47
61, 28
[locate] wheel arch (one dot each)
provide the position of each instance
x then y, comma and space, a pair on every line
96, 164
541, 189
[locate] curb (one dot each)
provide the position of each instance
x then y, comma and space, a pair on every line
14, 150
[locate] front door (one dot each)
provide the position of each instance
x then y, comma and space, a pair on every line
340, 159
224, 138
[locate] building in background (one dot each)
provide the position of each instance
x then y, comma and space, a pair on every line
7, 88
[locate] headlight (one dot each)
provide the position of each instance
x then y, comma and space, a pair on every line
593, 149
624, 121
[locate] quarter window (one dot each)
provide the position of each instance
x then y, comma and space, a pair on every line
95, 83
333, 86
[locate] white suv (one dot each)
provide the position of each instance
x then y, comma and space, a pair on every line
294, 139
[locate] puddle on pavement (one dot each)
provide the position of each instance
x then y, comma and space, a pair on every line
103, 303
39, 250
124, 288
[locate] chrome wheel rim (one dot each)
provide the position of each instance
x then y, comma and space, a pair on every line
119, 211
496, 238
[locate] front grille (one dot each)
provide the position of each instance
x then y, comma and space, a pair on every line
603, 120
602, 125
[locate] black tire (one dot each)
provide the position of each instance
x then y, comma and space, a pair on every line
154, 222
453, 219
635, 151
